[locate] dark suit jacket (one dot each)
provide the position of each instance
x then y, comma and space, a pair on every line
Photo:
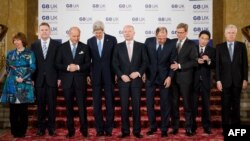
64, 58
203, 71
122, 65
46, 68
168, 54
231, 72
187, 58
102, 66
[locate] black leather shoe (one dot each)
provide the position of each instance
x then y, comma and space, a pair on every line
174, 131
123, 135
164, 134
85, 134
99, 134
208, 131
52, 132
40, 133
151, 131
138, 135
70, 135
189, 132
108, 134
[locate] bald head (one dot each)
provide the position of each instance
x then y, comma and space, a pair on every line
74, 34
128, 32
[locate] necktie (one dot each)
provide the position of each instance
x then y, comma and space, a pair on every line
179, 46
45, 49
74, 50
158, 52
231, 51
129, 51
100, 47
201, 52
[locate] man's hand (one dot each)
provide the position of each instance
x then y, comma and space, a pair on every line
19, 80
88, 81
125, 78
58, 83
244, 84
205, 58
167, 82
144, 78
72, 68
174, 66
219, 86
134, 75
200, 61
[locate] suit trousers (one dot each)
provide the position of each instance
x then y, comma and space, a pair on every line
46, 95
135, 94
80, 95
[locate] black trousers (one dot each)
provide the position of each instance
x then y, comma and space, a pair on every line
135, 94
230, 102
164, 105
205, 103
80, 94
19, 119
184, 90
100, 125
46, 96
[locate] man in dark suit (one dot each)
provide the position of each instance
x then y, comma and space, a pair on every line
183, 79
231, 75
129, 63
73, 61
202, 80
102, 76
161, 53
45, 78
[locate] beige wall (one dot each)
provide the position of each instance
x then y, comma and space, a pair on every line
21, 15
14, 15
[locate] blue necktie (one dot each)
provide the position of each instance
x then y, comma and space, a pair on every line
230, 47
74, 50
100, 47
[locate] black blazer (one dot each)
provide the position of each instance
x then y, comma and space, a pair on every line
46, 68
102, 66
203, 71
168, 54
122, 65
231, 72
187, 58
64, 58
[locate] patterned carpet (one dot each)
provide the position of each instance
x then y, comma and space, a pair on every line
200, 136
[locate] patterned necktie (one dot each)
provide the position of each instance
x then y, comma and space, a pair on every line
179, 46
45, 49
100, 47
74, 50
230, 47
129, 51
201, 52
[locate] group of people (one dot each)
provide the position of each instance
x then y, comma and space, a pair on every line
177, 67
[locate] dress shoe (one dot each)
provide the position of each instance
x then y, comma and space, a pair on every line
85, 134
108, 134
207, 130
138, 135
151, 131
70, 135
52, 132
99, 134
174, 131
40, 133
164, 134
123, 135
189, 132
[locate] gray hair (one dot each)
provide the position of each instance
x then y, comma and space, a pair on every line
231, 26
98, 25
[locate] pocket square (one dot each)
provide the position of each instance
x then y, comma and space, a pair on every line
81, 52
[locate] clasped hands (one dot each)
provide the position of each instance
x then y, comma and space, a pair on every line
133, 75
203, 59
72, 67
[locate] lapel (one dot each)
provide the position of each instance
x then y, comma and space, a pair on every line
68, 49
236, 50
227, 51
183, 48
134, 52
50, 47
39, 49
105, 47
124, 49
